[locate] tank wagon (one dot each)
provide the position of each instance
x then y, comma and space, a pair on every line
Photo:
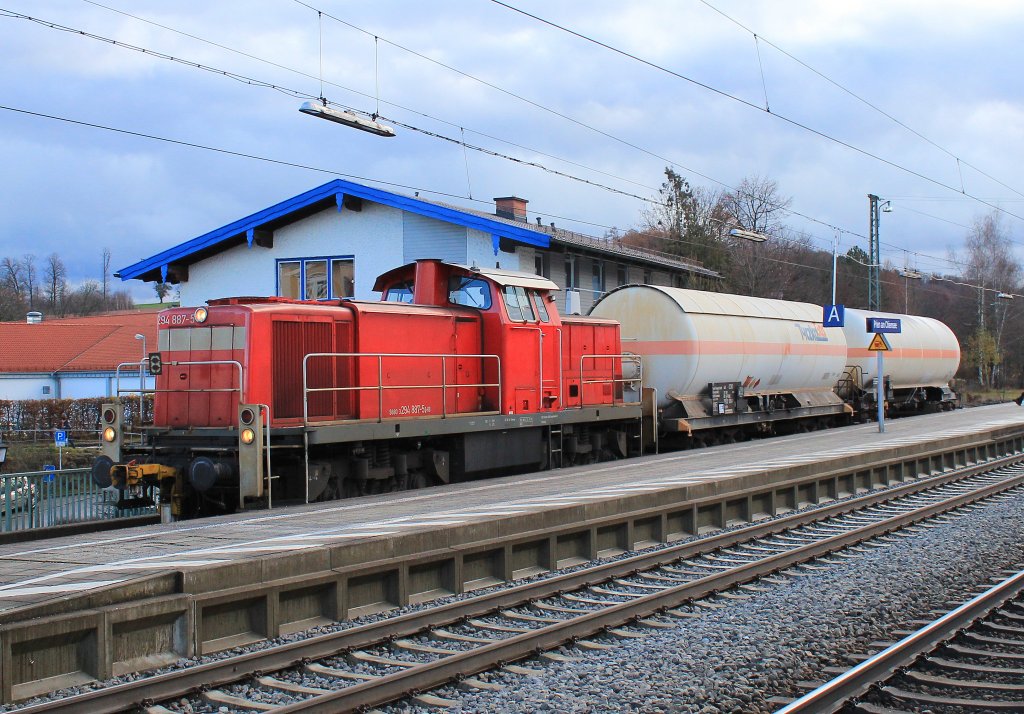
725, 367
924, 357
461, 372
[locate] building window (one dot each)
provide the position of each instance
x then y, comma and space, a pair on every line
597, 277
289, 277
316, 278
571, 278
542, 263
648, 278
621, 275
343, 278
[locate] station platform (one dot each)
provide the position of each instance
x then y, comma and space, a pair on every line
213, 549
80, 609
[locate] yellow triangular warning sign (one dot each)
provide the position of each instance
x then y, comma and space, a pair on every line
878, 343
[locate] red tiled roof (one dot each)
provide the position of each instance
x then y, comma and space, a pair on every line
76, 344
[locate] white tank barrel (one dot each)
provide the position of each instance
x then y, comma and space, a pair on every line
925, 353
690, 338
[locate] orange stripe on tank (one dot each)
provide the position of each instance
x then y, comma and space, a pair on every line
906, 353
712, 347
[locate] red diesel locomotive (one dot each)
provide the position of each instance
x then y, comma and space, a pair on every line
457, 373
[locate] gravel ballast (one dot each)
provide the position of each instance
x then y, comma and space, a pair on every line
734, 658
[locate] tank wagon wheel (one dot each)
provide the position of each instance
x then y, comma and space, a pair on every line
417, 480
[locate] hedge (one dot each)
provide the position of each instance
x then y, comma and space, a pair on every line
32, 419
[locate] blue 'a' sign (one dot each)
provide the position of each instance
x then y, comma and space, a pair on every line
890, 325
833, 315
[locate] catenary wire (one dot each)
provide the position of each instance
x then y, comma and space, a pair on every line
300, 94
240, 154
861, 99
462, 143
744, 102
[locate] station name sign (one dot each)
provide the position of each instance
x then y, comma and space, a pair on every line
880, 325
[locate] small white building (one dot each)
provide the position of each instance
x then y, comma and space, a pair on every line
334, 240
75, 358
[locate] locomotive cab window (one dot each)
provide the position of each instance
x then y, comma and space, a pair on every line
517, 304
542, 309
472, 292
399, 292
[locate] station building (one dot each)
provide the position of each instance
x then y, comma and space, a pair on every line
334, 240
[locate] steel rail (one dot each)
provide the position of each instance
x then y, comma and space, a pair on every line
831, 696
446, 669
213, 674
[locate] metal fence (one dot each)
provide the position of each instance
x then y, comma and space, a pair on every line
43, 499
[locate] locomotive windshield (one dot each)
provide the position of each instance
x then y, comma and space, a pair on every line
399, 292
472, 292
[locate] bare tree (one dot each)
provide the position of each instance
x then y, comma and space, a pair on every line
121, 300
28, 262
688, 221
780, 268
106, 276
992, 268
56, 283
761, 269
86, 300
12, 275
756, 205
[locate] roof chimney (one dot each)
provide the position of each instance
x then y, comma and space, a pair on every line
511, 207
34, 318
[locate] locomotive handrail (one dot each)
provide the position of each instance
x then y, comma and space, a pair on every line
634, 358
176, 363
381, 387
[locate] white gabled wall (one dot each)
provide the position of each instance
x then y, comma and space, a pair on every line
373, 236
480, 251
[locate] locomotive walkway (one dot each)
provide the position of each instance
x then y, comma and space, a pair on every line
85, 607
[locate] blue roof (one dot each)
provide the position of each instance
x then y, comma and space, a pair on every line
297, 207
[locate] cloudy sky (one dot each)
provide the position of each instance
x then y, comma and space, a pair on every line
947, 74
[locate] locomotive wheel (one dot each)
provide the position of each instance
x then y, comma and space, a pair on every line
417, 480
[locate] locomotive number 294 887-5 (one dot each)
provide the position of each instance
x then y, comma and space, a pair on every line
410, 410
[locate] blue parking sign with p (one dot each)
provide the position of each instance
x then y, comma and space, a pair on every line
833, 315
60, 437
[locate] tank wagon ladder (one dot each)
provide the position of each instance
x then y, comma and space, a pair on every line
849, 384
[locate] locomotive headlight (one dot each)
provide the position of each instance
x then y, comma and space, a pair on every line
109, 434
200, 314
109, 416
248, 436
247, 416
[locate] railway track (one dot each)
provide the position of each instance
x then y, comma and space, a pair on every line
969, 660
371, 664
